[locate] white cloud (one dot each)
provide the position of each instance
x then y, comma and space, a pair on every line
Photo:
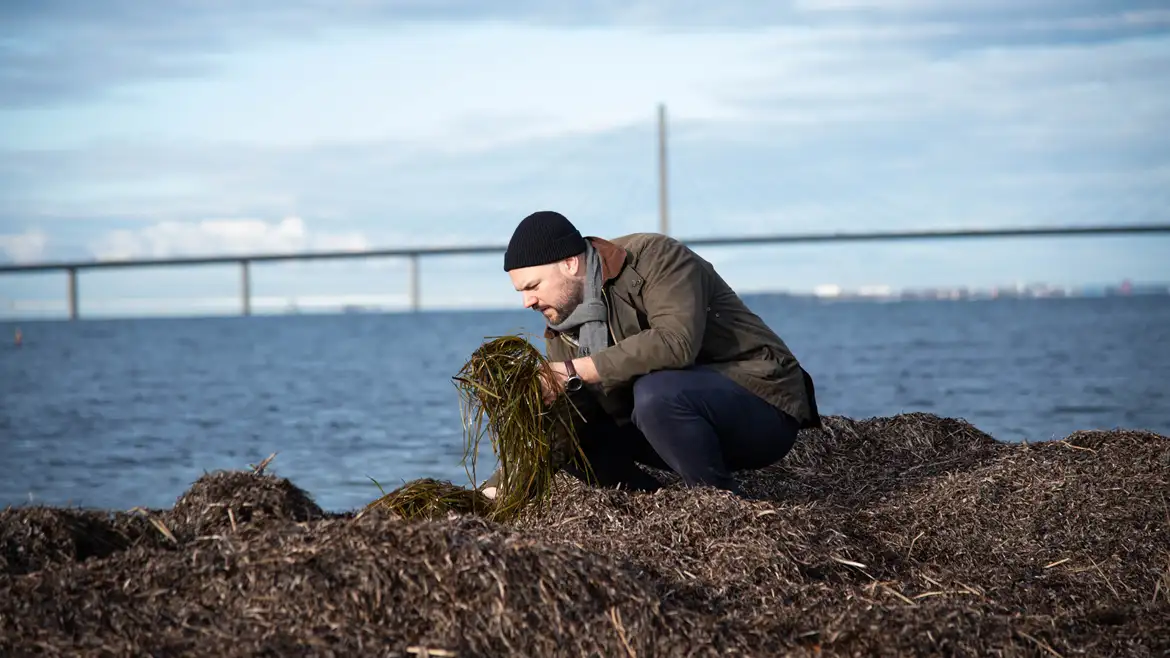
1060, 91
591, 80
215, 237
454, 87
27, 247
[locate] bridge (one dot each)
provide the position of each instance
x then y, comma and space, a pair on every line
414, 255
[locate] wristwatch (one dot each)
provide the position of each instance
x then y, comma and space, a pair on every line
574, 382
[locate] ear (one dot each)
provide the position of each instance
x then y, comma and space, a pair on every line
573, 265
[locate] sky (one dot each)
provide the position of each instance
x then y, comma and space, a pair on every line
148, 130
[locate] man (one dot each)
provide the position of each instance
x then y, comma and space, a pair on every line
674, 370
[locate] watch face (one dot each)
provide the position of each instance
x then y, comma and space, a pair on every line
573, 384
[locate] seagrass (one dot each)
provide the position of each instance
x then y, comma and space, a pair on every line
501, 398
429, 498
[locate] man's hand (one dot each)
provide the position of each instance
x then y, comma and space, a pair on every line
552, 382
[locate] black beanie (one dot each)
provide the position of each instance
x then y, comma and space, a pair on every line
541, 238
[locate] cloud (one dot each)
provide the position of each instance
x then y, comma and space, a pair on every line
860, 176
26, 247
461, 89
221, 237
423, 197
1037, 87
898, 132
58, 51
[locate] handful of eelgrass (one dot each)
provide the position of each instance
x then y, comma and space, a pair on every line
501, 396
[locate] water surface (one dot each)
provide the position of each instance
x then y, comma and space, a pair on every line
118, 413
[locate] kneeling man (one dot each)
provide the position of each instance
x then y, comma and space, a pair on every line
670, 366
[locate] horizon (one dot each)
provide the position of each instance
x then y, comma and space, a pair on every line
227, 306
172, 129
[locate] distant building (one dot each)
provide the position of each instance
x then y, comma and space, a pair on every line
827, 290
878, 291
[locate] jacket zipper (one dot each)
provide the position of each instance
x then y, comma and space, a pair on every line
609, 323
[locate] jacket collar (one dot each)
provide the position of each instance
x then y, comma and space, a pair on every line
613, 260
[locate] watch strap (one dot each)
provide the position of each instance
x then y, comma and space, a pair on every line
573, 381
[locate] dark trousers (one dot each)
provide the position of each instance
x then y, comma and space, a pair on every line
695, 422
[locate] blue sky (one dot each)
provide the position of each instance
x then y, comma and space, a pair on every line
133, 129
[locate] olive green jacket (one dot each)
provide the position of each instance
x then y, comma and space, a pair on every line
670, 309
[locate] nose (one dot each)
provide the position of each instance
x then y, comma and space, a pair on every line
529, 300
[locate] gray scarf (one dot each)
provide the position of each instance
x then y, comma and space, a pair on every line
591, 314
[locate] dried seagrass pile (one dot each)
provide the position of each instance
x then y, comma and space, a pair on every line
428, 498
911, 535
500, 398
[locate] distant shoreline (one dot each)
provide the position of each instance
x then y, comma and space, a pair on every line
844, 298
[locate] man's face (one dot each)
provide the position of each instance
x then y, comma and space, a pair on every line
553, 290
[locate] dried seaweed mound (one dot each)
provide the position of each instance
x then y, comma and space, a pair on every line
1060, 548
857, 460
428, 498
374, 586
34, 537
224, 500
904, 536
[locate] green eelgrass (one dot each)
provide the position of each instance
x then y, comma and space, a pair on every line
500, 384
427, 498
500, 395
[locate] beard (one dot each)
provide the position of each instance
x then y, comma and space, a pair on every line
565, 306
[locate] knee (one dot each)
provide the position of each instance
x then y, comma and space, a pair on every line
656, 393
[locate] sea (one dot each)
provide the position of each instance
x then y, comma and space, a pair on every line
119, 413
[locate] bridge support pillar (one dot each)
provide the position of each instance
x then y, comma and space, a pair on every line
415, 295
245, 288
72, 293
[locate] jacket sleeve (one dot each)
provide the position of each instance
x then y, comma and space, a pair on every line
555, 349
675, 296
